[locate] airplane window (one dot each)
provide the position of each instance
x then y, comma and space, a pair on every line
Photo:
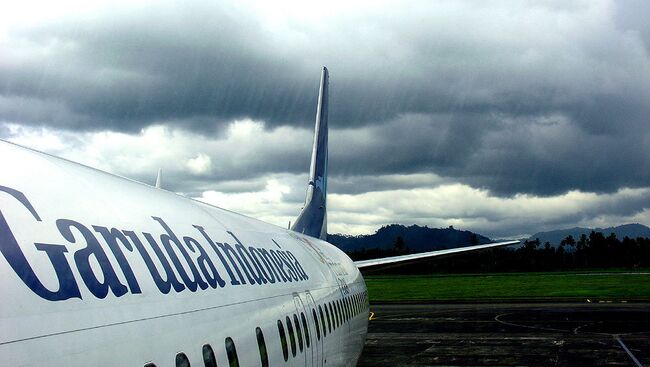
337, 308
298, 331
316, 323
305, 329
346, 308
283, 341
358, 303
348, 304
181, 360
329, 307
231, 352
264, 356
336, 313
292, 337
329, 323
209, 360
322, 320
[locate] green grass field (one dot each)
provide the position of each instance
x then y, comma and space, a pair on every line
556, 286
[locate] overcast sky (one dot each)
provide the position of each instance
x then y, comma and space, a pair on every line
505, 118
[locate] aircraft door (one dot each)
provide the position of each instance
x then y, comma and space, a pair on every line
317, 334
301, 311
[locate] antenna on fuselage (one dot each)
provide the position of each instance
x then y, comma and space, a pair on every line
312, 220
159, 179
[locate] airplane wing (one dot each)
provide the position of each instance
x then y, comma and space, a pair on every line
424, 255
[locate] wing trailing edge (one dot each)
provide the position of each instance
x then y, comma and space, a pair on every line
424, 255
312, 220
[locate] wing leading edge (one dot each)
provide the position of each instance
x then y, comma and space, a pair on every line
424, 255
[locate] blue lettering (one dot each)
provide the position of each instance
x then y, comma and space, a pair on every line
233, 279
10, 249
164, 285
279, 265
82, 259
243, 254
299, 269
285, 260
212, 276
166, 239
111, 237
268, 262
256, 255
245, 265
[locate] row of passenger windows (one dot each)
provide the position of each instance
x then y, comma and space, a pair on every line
335, 312
209, 359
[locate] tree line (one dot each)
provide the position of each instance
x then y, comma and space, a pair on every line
593, 251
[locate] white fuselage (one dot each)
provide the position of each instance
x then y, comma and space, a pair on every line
101, 270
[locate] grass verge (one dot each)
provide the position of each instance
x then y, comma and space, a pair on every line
556, 286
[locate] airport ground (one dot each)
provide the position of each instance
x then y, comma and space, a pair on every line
508, 334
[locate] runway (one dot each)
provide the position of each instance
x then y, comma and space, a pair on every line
585, 334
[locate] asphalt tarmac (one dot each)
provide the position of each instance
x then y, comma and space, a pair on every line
586, 334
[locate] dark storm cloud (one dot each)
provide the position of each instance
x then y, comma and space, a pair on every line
537, 98
125, 71
542, 155
613, 207
632, 15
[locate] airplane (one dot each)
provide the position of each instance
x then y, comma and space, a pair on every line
98, 269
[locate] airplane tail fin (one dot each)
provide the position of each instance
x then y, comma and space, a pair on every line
312, 220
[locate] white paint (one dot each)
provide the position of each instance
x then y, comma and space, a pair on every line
134, 329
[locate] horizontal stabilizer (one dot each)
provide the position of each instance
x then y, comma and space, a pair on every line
425, 255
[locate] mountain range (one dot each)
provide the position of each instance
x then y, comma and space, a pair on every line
556, 236
415, 239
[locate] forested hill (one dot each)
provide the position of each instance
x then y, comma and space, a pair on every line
627, 230
407, 239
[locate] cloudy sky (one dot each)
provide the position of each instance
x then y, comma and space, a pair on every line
500, 117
